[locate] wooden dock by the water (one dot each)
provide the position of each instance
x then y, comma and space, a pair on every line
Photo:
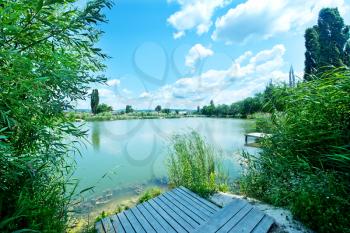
256, 136
181, 210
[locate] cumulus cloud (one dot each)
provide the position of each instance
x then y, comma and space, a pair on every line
195, 54
113, 82
194, 14
246, 75
267, 18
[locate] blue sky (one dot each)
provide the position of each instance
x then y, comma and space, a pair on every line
183, 53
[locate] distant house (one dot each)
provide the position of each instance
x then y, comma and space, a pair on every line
183, 112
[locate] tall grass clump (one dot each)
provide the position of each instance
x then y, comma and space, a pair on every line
149, 194
305, 165
195, 164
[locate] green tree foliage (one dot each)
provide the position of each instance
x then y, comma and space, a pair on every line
104, 108
47, 61
195, 165
166, 111
270, 100
94, 101
327, 44
305, 165
128, 109
158, 108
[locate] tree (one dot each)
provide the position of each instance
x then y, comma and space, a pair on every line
158, 108
103, 108
166, 110
48, 61
198, 110
94, 101
128, 109
312, 52
327, 44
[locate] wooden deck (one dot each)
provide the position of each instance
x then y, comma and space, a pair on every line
181, 210
255, 136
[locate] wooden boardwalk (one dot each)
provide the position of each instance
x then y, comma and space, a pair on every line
181, 210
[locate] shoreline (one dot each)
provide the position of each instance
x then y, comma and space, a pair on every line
88, 117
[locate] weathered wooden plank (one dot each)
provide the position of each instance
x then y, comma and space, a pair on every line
206, 202
192, 203
177, 227
107, 225
125, 222
158, 218
248, 223
134, 222
151, 219
118, 227
235, 219
184, 209
264, 225
222, 217
195, 209
198, 202
99, 227
178, 216
143, 221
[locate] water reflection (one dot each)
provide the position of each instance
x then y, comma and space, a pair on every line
95, 137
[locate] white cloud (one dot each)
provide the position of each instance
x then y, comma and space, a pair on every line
195, 54
113, 82
267, 18
246, 75
145, 94
194, 14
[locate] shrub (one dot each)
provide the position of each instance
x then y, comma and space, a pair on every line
305, 164
149, 194
195, 165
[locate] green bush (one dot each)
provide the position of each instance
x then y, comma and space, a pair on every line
195, 165
305, 164
48, 62
149, 194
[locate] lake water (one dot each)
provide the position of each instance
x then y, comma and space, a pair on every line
124, 157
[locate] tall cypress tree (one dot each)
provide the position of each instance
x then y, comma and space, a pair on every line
312, 52
327, 44
94, 101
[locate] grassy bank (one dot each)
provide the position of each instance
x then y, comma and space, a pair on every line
305, 165
109, 116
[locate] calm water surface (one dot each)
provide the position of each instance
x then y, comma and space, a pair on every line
126, 156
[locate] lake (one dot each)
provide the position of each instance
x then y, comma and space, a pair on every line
124, 157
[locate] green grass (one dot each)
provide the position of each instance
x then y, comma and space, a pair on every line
196, 165
305, 165
149, 194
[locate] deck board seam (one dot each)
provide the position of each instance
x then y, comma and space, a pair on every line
201, 199
148, 220
176, 212
179, 199
204, 206
133, 210
178, 204
137, 221
191, 203
120, 224
150, 206
251, 208
170, 217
